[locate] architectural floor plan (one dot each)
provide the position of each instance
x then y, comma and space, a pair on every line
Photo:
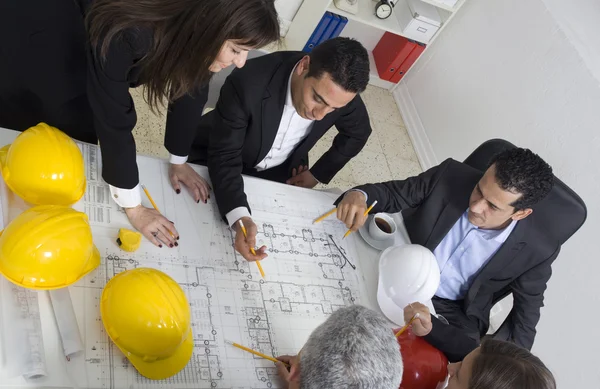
310, 272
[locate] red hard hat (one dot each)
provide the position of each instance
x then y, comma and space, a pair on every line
425, 367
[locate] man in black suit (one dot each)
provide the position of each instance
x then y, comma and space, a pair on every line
485, 237
271, 113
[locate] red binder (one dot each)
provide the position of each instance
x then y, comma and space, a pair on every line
393, 54
408, 62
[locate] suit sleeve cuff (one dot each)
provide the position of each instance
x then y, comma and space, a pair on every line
236, 214
126, 198
361, 191
178, 160
319, 181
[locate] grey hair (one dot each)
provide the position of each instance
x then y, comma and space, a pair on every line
354, 349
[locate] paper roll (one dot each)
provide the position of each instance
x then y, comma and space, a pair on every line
66, 321
21, 328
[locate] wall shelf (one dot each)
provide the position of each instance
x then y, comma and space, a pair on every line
368, 30
444, 6
366, 15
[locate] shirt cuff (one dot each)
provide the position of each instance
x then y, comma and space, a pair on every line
126, 198
177, 160
236, 214
361, 191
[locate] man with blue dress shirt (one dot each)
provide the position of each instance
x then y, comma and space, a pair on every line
484, 234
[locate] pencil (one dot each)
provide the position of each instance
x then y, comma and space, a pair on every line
150, 198
407, 325
325, 216
153, 204
260, 269
259, 354
365, 214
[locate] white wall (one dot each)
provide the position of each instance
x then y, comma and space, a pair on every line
580, 21
506, 68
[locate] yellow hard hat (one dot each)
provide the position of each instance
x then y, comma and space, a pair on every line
44, 166
48, 247
146, 314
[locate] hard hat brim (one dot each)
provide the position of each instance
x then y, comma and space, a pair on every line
164, 368
23, 282
393, 312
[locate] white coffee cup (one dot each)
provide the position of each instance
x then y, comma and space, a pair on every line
382, 226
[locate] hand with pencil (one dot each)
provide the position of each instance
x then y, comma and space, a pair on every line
245, 242
351, 210
421, 325
290, 376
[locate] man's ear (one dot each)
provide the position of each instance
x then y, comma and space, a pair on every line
303, 65
522, 214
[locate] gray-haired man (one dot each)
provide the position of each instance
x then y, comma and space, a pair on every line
354, 348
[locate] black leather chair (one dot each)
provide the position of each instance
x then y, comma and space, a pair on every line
561, 201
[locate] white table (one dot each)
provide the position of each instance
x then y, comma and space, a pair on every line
276, 207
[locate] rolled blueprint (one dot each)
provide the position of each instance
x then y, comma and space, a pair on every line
21, 329
66, 322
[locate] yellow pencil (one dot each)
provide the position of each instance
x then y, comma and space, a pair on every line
260, 269
365, 214
325, 216
153, 204
259, 354
407, 325
150, 198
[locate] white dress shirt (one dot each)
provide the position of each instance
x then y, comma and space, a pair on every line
129, 198
292, 130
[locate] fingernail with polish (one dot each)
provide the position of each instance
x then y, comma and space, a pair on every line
205, 201
178, 191
198, 201
170, 244
177, 238
160, 245
176, 244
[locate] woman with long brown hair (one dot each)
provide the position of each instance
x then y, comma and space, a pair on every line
495, 364
499, 364
70, 63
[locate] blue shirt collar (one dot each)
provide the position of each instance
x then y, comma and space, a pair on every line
499, 236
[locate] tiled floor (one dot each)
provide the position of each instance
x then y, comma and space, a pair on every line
388, 155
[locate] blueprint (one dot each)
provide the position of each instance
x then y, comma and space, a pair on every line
310, 272
21, 340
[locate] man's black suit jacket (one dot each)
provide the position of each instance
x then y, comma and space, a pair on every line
239, 133
438, 198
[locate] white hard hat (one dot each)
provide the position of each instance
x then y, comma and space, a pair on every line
407, 273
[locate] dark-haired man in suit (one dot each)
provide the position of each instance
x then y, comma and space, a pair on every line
271, 112
484, 234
